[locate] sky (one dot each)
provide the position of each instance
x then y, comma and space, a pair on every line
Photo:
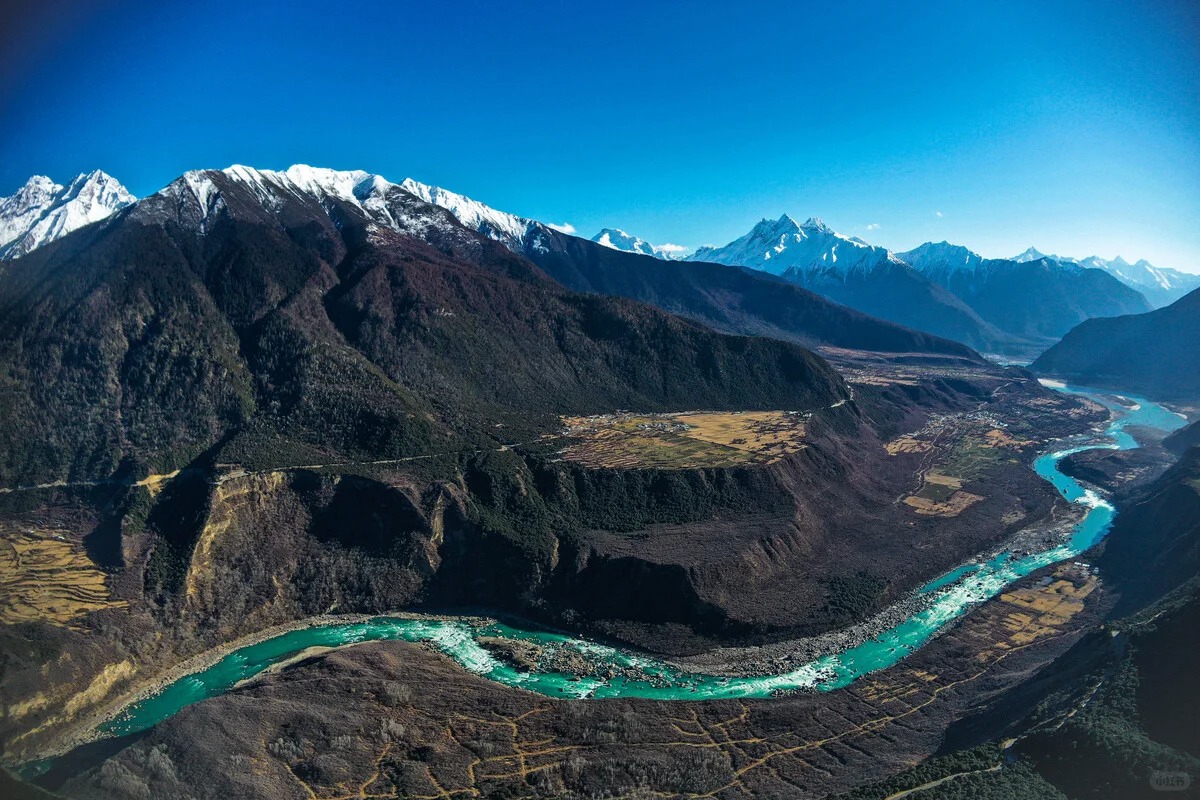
1070, 125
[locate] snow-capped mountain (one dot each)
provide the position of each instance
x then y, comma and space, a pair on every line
857, 274
200, 195
201, 191
509, 229
1035, 298
784, 245
937, 256
42, 210
1160, 285
197, 198
618, 239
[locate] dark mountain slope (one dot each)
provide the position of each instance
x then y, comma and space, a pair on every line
1130, 726
1156, 354
729, 298
1182, 439
1040, 300
1155, 543
197, 314
503, 343
899, 293
112, 344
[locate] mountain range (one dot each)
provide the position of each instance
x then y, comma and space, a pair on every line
1033, 301
1011, 307
999, 306
735, 300
273, 336
1160, 285
856, 274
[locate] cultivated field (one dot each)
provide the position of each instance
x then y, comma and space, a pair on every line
45, 577
955, 449
684, 440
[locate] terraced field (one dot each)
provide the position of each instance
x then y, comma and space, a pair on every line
44, 576
685, 440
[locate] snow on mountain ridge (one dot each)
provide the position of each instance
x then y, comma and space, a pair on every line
198, 195
506, 228
618, 239
42, 210
19, 212
373, 194
934, 256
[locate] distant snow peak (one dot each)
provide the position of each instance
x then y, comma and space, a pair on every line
1033, 254
42, 210
618, 239
782, 245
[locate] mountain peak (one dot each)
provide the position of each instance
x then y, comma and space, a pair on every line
38, 183
769, 227
1030, 254
42, 210
942, 257
777, 246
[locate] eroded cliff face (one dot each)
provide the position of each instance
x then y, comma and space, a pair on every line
203, 557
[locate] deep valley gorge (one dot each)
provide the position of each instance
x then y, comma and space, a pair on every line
311, 486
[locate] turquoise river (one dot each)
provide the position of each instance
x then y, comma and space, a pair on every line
950, 596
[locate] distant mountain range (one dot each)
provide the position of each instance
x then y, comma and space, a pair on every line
1160, 285
854, 273
42, 210
767, 247
1156, 354
1033, 301
1005, 306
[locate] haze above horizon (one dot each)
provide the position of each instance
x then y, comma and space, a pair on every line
1065, 125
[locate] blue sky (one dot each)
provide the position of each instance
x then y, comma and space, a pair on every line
1073, 126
